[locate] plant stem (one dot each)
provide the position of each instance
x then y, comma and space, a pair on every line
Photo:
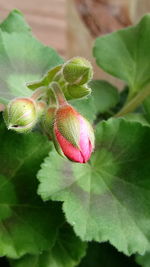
38, 93
58, 93
134, 103
52, 98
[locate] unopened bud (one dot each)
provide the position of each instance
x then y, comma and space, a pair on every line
78, 91
77, 71
48, 120
20, 114
73, 134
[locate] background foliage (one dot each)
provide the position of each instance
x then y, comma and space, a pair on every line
51, 208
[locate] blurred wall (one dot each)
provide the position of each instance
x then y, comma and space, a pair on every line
85, 20
138, 8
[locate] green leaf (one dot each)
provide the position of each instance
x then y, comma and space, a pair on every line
67, 252
27, 225
109, 197
86, 107
46, 79
138, 117
146, 106
125, 54
15, 22
22, 59
6, 189
105, 95
144, 260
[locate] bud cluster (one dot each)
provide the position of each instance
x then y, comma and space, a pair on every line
72, 76
77, 73
71, 133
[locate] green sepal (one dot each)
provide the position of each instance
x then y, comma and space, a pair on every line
77, 71
68, 124
46, 80
57, 146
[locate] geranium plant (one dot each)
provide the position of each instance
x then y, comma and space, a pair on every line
74, 152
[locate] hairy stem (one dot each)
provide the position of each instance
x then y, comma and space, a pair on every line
58, 93
38, 93
52, 99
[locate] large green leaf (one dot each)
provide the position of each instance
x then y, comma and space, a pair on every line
22, 59
15, 23
27, 225
67, 252
6, 189
105, 95
126, 54
109, 197
146, 106
144, 260
86, 107
138, 117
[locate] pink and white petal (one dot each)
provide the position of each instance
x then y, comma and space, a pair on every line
85, 144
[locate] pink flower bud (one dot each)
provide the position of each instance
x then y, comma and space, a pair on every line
74, 136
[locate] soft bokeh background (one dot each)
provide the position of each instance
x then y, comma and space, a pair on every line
70, 26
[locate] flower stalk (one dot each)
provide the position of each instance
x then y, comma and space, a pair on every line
38, 93
58, 93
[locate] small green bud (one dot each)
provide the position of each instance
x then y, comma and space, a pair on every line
48, 120
78, 71
20, 114
78, 91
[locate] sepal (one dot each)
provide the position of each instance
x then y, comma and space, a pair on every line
68, 124
57, 145
46, 80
